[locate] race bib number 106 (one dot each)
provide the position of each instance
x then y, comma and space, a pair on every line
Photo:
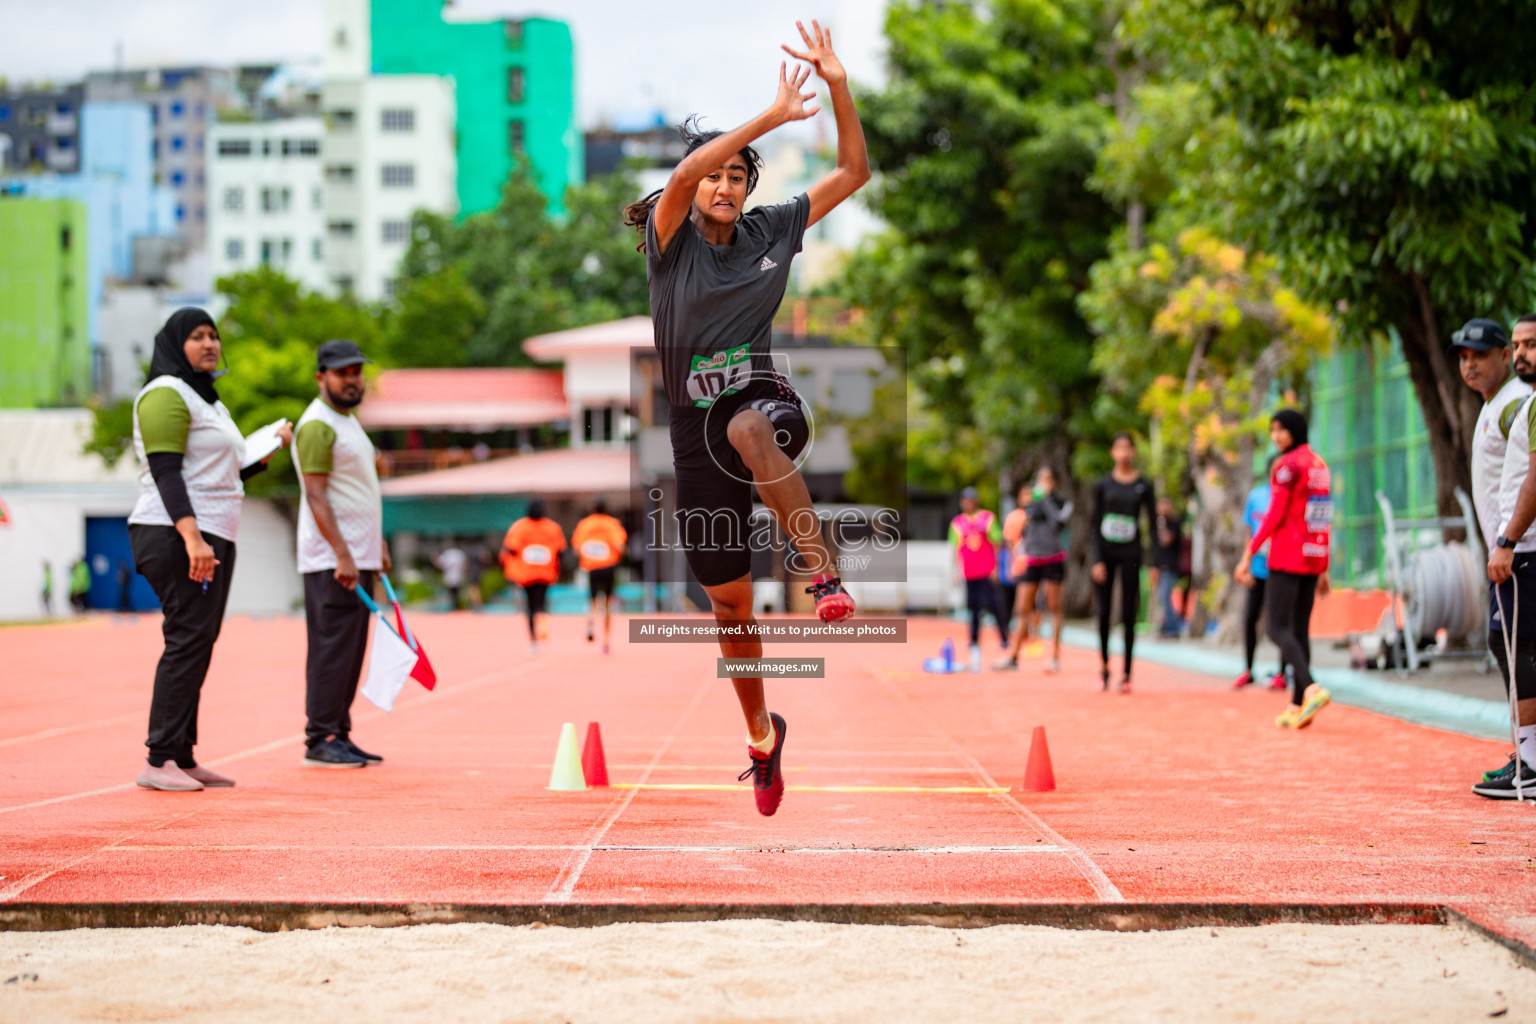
724, 373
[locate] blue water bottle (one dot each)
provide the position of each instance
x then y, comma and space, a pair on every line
947, 652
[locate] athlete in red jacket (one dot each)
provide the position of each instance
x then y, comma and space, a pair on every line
1297, 528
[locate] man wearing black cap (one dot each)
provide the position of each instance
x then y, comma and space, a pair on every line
341, 547
1512, 571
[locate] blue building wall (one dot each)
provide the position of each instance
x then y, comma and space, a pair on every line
116, 184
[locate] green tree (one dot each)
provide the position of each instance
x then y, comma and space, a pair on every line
1383, 151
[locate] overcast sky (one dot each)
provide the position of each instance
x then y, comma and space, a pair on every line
682, 56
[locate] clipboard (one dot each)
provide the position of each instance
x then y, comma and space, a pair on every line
263, 442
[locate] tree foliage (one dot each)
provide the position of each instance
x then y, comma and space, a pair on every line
469, 292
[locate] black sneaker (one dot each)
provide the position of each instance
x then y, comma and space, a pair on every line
332, 754
767, 778
1509, 766
1504, 788
346, 741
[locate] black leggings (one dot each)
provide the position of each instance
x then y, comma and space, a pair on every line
1129, 571
1251, 612
535, 593
1291, 596
981, 595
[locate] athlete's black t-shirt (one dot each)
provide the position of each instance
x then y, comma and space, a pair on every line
712, 306
1117, 512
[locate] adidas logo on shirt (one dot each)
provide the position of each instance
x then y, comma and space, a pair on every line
767, 264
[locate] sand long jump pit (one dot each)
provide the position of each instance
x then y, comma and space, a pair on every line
764, 970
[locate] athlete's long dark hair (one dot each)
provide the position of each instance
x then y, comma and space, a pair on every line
638, 214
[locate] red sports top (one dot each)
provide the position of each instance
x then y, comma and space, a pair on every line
1300, 516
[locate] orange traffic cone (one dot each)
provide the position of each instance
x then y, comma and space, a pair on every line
1038, 776
593, 764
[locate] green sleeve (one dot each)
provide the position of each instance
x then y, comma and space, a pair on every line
995, 532
1507, 416
164, 420
1530, 418
312, 447
954, 536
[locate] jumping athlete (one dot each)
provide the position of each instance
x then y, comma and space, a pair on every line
1297, 528
717, 276
1120, 498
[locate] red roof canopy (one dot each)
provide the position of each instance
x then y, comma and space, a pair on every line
563, 471
483, 398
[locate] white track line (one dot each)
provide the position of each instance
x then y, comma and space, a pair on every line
570, 873
573, 848
41, 875
1091, 872
65, 730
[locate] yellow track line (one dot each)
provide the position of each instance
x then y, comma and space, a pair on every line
738, 786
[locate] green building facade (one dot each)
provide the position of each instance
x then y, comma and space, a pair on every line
515, 86
1367, 424
45, 350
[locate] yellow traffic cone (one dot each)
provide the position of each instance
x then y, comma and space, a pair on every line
566, 774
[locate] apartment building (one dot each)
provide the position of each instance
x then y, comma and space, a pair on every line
40, 129
266, 196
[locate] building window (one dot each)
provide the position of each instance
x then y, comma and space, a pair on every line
64, 238
314, 249
287, 250
514, 34
266, 251
341, 229
266, 147
343, 285
181, 213
178, 143
388, 288
276, 200
309, 147
342, 120
396, 231
514, 85
154, 149
340, 174
398, 119
178, 179
177, 109
515, 136
316, 197
234, 250
5, 112
64, 109
399, 175
234, 199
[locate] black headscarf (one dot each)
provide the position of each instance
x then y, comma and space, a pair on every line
170, 358
1294, 423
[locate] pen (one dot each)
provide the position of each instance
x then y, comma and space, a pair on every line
205, 583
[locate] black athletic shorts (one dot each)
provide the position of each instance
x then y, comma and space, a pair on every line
1524, 619
1051, 572
600, 581
714, 487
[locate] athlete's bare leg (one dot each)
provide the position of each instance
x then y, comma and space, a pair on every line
732, 604
784, 490
607, 619
1024, 611
1058, 619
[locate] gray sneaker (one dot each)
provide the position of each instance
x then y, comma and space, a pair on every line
168, 778
331, 754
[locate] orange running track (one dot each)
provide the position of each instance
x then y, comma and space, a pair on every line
1181, 793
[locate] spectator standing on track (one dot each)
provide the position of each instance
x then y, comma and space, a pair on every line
1167, 552
1512, 565
599, 540
1253, 514
1297, 528
1032, 533
975, 536
341, 548
1120, 499
454, 565
47, 589
530, 558
182, 531
80, 586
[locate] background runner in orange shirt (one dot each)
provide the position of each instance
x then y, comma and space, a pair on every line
530, 558
599, 539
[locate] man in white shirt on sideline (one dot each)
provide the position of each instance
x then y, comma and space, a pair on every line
341, 548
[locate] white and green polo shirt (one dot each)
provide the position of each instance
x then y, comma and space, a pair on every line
332, 442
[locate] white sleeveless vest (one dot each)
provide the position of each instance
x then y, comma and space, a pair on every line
353, 491
210, 465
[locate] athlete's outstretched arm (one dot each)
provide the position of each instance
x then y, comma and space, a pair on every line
852, 169
676, 200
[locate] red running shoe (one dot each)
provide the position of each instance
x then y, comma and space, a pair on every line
767, 776
1278, 681
832, 602
1246, 679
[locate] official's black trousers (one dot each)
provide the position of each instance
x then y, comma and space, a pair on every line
191, 625
337, 624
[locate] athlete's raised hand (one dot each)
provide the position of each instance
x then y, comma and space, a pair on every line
818, 53
791, 102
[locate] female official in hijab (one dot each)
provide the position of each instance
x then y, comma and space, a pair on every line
182, 531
